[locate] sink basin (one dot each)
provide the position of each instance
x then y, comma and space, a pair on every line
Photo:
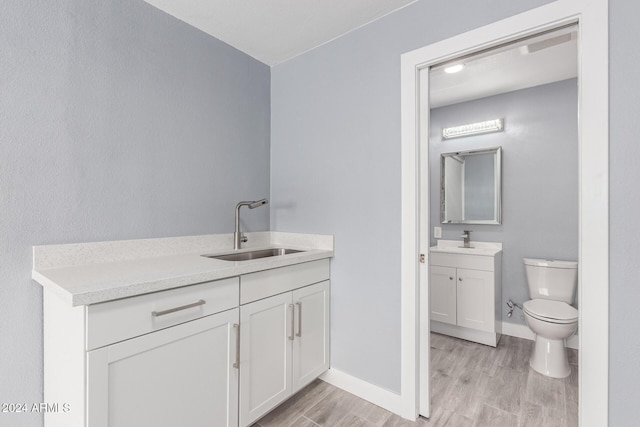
246, 256
477, 248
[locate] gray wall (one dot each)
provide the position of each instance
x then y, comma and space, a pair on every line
116, 122
62, 150
539, 182
335, 160
339, 148
624, 261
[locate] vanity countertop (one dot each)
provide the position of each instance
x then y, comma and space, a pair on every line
91, 273
477, 248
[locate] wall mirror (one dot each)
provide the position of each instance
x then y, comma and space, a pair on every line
470, 187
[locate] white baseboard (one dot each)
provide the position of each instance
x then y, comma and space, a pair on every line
523, 331
379, 396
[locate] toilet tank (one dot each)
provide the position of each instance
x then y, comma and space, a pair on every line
550, 279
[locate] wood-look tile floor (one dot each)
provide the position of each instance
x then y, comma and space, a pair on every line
471, 385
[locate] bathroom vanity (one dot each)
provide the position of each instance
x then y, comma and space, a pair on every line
157, 334
465, 290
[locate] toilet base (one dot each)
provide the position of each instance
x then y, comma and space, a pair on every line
549, 357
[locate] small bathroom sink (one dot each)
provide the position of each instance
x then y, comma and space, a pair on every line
246, 256
476, 248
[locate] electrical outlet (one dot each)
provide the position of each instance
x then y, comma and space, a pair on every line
437, 232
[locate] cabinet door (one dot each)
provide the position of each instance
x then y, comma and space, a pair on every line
443, 294
476, 305
311, 343
266, 332
179, 376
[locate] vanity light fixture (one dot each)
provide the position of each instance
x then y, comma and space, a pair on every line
454, 69
473, 129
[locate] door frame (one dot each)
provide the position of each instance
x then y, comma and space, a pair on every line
593, 131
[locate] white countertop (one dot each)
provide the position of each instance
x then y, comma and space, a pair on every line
91, 273
477, 248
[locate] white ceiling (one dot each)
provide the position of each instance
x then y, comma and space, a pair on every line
536, 61
277, 30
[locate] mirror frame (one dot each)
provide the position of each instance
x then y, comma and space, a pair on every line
498, 186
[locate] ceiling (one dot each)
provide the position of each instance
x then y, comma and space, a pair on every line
534, 61
277, 30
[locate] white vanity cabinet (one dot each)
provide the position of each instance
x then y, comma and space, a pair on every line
220, 353
148, 332
284, 341
465, 294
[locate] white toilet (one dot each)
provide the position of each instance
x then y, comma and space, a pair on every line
552, 287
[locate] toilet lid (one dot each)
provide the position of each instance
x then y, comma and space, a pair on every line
554, 311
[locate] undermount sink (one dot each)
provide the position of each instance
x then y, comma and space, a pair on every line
246, 256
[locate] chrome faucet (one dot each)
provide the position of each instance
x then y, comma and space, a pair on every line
238, 236
466, 238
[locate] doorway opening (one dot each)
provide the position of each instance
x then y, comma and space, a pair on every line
592, 156
503, 171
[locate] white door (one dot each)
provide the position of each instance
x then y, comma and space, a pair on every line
266, 332
476, 304
311, 342
179, 376
443, 294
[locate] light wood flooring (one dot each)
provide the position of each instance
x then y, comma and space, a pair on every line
471, 385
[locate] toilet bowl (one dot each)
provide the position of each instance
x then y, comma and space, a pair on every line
548, 313
552, 322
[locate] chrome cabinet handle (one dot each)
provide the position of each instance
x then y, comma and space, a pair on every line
460, 279
290, 306
450, 278
182, 307
299, 334
236, 364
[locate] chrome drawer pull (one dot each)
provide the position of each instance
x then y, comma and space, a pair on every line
299, 304
292, 320
182, 307
236, 364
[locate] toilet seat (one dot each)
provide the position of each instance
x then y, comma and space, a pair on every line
550, 311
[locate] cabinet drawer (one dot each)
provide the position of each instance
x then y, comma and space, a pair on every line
119, 320
264, 284
473, 262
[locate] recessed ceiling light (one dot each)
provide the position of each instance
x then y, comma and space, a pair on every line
454, 69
